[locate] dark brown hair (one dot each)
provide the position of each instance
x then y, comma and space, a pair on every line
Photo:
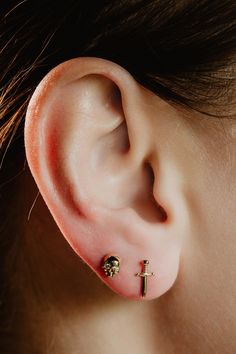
182, 50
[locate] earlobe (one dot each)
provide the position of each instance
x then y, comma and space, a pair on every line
88, 140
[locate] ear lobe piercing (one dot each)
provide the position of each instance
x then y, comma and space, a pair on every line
111, 265
144, 274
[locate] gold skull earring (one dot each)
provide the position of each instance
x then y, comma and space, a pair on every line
111, 265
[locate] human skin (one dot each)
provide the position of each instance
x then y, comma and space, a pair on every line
192, 251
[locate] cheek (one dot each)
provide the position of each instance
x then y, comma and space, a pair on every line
208, 272
213, 221
210, 251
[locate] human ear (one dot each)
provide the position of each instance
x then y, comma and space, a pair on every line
90, 145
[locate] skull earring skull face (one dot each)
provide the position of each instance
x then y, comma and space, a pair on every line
111, 265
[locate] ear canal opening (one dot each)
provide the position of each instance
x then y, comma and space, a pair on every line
155, 212
145, 203
123, 137
118, 100
121, 131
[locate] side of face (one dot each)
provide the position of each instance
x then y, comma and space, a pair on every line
203, 298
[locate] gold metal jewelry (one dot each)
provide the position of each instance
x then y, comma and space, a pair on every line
144, 274
111, 265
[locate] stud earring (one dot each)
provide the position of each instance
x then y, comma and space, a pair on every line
144, 275
111, 265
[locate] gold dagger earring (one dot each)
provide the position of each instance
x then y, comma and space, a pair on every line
111, 265
144, 274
